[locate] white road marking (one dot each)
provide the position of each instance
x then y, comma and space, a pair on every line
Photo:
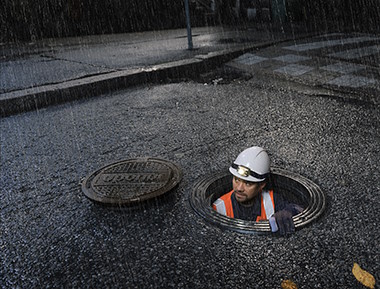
343, 68
352, 81
291, 58
249, 59
294, 69
357, 53
346, 69
329, 43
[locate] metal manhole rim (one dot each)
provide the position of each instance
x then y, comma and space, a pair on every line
202, 207
175, 173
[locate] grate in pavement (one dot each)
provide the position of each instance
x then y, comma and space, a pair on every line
223, 75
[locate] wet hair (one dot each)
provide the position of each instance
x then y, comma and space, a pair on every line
268, 181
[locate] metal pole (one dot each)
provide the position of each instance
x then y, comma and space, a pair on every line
188, 25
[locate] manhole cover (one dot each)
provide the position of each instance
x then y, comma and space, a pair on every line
132, 180
297, 189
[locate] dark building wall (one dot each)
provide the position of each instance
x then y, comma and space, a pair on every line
338, 15
28, 19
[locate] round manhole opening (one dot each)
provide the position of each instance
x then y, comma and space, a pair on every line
295, 188
130, 181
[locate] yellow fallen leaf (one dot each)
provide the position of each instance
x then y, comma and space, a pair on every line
288, 284
363, 276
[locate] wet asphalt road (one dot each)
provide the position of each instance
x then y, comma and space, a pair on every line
52, 236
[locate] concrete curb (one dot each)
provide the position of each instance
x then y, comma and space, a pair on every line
35, 98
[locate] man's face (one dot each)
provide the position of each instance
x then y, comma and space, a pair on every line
246, 191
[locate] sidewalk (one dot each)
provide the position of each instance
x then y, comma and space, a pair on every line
52, 71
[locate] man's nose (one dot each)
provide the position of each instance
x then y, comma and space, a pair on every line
240, 186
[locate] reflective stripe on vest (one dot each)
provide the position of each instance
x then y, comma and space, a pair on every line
268, 202
223, 205
267, 206
220, 207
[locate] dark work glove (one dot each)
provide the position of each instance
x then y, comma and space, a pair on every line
284, 221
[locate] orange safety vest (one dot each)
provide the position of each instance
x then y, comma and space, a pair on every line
223, 205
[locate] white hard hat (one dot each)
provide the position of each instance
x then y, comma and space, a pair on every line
251, 165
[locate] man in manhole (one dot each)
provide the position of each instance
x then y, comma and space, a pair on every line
252, 197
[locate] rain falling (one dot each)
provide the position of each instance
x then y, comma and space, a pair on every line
147, 105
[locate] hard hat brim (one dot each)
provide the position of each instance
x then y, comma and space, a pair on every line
246, 178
